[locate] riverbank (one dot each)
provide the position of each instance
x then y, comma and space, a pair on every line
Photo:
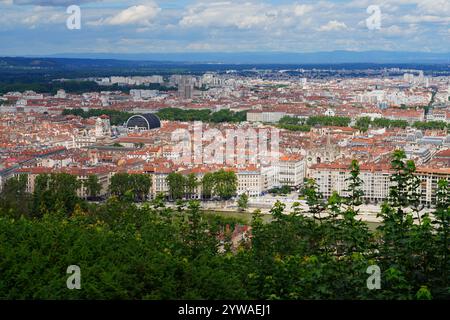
246, 216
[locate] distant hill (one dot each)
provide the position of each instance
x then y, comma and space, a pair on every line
331, 57
68, 63
44, 69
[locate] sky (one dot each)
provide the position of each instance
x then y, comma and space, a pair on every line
39, 27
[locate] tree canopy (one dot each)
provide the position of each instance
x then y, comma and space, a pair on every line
153, 251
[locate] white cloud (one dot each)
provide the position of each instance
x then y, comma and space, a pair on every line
425, 18
41, 16
224, 25
435, 7
302, 9
201, 46
333, 25
137, 15
400, 31
393, 30
247, 15
31, 20
50, 3
227, 14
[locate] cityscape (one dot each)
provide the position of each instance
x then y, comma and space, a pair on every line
203, 176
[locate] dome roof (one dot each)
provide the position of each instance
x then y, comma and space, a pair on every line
146, 121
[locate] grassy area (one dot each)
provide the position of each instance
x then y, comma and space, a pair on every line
246, 217
373, 225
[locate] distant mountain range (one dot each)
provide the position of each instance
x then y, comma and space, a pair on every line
331, 57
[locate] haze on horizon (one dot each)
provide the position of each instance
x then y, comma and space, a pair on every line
38, 27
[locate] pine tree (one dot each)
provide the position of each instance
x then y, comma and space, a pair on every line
355, 233
442, 222
314, 199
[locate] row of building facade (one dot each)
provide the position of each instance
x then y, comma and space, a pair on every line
251, 180
255, 181
375, 180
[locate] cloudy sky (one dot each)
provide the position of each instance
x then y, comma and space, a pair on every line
38, 27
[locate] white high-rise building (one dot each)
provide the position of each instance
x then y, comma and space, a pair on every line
291, 170
186, 89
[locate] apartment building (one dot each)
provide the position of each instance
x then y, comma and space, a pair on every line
429, 182
103, 174
158, 174
250, 181
376, 180
332, 177
82, 141
291, 170
257, 116
270, 177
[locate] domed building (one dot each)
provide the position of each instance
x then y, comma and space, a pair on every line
143, 122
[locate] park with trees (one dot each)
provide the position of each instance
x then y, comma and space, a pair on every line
363, 123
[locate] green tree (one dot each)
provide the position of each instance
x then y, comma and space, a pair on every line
153, 251
56, 192
314, 199
134, 187
354, 188
243, 202
176, 184
92, 186
205, 115
208, 182
199, 240
225, 184
14, 198
119, 184
363, 123
355, 234
406, 247
141, 185
423, 294
191, 184
441, 223
396, 221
